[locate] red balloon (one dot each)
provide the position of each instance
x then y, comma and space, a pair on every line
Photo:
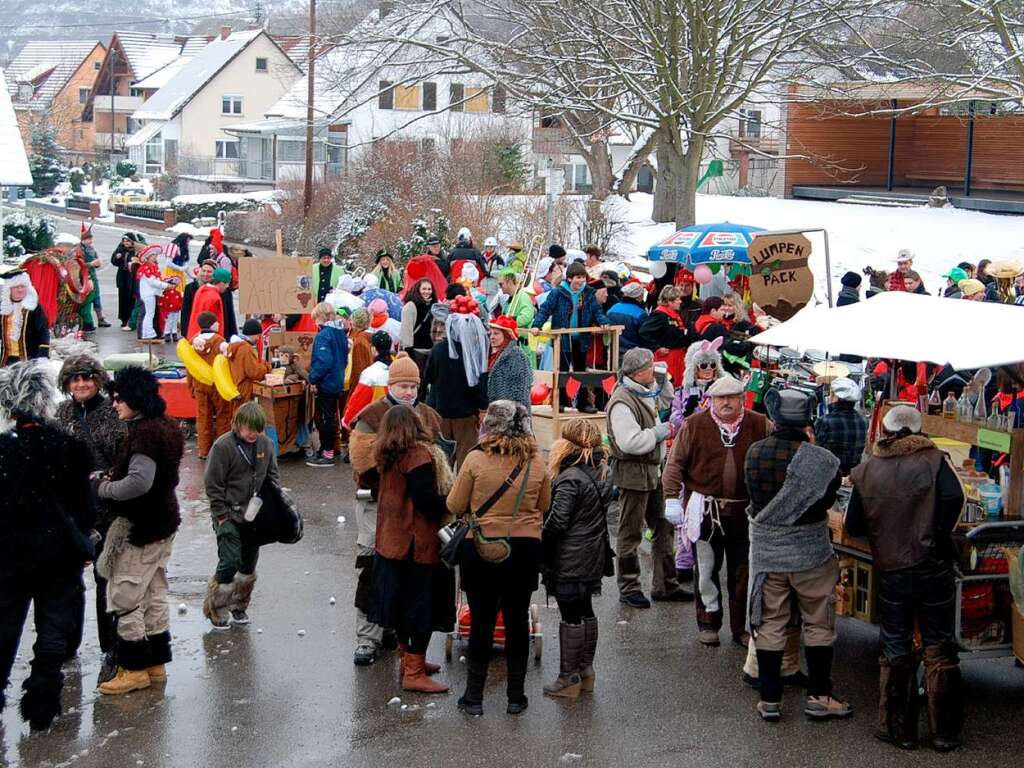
539, 393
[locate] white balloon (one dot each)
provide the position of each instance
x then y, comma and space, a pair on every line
658, 269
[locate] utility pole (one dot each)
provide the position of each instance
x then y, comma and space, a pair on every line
113, 90
307, 193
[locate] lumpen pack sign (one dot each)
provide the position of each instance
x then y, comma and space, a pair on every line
781, 282
275, 285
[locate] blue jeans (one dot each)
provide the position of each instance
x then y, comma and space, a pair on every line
924, 595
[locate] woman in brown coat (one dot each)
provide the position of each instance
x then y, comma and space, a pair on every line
412, 593
506, 456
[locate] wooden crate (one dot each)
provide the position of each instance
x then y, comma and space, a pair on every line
865, 592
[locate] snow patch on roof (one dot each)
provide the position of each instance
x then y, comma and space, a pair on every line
60, 57
147, 52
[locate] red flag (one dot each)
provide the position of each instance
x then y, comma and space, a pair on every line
608, 384
572, 388
82, 231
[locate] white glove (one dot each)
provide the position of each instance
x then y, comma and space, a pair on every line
662, 431
674, 511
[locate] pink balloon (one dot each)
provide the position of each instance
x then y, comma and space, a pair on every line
702, 274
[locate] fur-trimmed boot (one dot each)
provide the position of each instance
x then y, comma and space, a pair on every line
244, 585
567, 684
945, 695
589, 651
218, 598
415, 677
40, 702
898, 705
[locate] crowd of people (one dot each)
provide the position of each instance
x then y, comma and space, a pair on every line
423, 385
996, 282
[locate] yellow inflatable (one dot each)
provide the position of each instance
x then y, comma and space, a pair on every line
197, 368
222, 378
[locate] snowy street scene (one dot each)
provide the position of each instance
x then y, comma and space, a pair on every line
591, 383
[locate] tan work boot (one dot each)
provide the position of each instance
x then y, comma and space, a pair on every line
126, 681
157, 673
415, 677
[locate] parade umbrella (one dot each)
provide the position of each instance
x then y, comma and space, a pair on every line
393, 300
722, 243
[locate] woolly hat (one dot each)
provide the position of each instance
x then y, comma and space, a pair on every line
506, 418
381, 341
221, 275
902, 417
508, 325
403, 370
82, 365
846, 390
325, 251
789, 407
205, 320
726, 385
633, 290
637, 359
555, 251
377, 307
252, 327
851, 280
139, 390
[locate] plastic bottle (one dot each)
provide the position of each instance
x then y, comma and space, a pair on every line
949, 407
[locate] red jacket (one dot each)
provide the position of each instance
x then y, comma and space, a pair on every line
675, 359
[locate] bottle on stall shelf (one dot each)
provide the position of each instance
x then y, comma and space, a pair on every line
964, 409
980, 409
949, 407
934, 403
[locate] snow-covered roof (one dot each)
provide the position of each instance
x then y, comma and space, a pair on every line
194, 75
14, 168
147, 52
144, 134
48, 65
330, 87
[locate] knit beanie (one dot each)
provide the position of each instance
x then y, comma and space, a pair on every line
851, 280
221, 275
555, 251
403, 370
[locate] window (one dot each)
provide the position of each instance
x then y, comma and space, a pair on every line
97, 65
456, 91
581, 182
386, 97
226, 150
407, 97
135, 92
750, 123
499, 98
261, 64
154, 158
476, 100
231, 105
429, 97
25, 91
83, 95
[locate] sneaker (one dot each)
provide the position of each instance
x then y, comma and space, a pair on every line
770, 712
677, 595
635, 600
364, 656
708, 637
126, 328
103, 324
517, 707
826, 708
471, 708
238, 616
220, 624
320, 461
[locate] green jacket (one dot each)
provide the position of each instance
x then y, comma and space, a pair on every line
521, 308
231, 480
517, 261
336, 273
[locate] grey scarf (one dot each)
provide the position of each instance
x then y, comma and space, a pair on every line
777, 545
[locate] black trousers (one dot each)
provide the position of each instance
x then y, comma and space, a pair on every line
55, 599
575, 611
327, 420
731, 544
925, 596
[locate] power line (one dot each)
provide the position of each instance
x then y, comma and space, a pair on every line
126, 23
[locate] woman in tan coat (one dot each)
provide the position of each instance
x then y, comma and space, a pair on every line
506, 459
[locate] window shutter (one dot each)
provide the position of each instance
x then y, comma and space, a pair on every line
455, 96
498, 98
429, 97
386, 99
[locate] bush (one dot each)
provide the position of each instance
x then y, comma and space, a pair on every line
27, 233
186, 211
76, 178
125, 169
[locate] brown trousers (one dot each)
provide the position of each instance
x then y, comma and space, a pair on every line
213, 417
465, 432
814, 592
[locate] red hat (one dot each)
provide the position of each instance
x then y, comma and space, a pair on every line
506, 324
684, 275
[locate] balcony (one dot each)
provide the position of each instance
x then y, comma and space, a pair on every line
122, 104
768, 143
101, 141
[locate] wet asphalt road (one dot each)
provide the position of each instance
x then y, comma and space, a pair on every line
265, 696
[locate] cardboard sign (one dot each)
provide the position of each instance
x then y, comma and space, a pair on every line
780, 282
275, 285
994, 441
302, 342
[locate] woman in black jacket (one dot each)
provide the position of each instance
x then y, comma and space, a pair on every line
124, 259
576, 550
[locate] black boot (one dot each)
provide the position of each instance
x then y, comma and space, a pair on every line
945, 695
472, 701
515, 687
589, 651
40, 702
570, 640
898, 703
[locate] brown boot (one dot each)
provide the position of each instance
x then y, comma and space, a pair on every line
125, 681
218, 598
945, 695
244, 584
403, 649
415, 676
157, 673
589, 651
567, 685
897, 704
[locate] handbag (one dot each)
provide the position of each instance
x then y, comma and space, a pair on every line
454, 534
498, 548
279, 521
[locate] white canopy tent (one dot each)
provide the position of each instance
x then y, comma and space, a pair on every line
908, 326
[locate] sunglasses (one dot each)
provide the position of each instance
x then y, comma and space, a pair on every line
707, 366
81, 376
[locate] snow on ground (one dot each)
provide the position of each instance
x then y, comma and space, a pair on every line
859, 236
226, 197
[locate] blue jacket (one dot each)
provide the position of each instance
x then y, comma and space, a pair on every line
558, 307
330, 358
630, 314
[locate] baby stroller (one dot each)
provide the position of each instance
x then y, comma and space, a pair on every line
462, 620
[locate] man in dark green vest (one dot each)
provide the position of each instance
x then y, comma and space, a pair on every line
636, 437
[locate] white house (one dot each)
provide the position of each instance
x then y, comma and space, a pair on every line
185, 123
365, 93
14, 168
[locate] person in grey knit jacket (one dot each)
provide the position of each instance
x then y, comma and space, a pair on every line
636, 437
239, 462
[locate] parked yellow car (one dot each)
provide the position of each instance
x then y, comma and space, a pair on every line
129, 195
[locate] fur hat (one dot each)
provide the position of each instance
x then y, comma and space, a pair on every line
702, 352
506, 418
789, 407
25, 390
637, 359
902, 417
252, 327
724, 386
139, 390
851, 280
403, 370
82, 364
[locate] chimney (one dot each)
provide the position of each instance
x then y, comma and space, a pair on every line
386, 7
225, 33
